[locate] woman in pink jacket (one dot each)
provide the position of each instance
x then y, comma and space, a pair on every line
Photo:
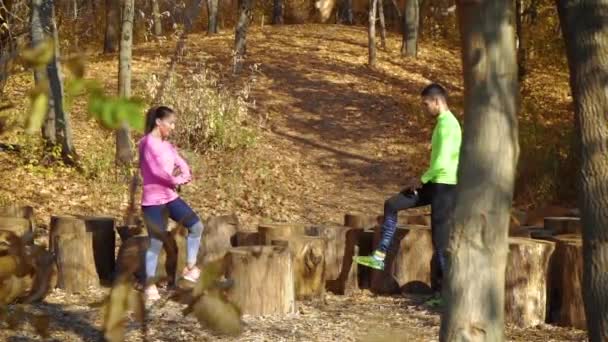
162, 170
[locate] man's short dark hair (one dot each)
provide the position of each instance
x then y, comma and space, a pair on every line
433, 90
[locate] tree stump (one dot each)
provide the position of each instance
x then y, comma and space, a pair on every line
563, 225
17, 225
247, 238
365, 243
131, 259
20, 211
73, 248
341, 270
523, 232
362, 221
566, 307
540, 233
217, 237
407, 267
104, 245
282, 231
309, 265
263, 279
526, 279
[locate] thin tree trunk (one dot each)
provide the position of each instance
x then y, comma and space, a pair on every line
477, 248
212, 9
192, 13
240, 37
382, 24
7, 43
123, 140
38, 32
521, 46
409, 45
372, 33
112, 25
63, 125
423, 6
585, 30
277, 12
158, 27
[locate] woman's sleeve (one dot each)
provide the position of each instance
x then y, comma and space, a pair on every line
151, 157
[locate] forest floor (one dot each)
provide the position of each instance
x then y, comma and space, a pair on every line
334, 136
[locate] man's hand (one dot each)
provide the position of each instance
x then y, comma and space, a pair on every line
413, 184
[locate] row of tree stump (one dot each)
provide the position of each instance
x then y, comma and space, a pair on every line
279, 264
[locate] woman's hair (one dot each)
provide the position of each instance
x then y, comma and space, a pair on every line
157, 112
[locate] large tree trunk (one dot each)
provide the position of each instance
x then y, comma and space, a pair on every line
212, 9
112, 26
409, 46
477, 251
104, 244
277, 12
124, 153
240, 34
158, 27
585, 30
373, 4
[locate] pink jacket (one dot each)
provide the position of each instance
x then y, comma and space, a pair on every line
157, 162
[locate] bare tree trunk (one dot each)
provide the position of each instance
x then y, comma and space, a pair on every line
409, 46
348, 11
123, 140
192, 13
212, 9
56, 127
423, 9
277, 12
158, 27
382, 25
372, 33
521, 41
112, 25
477, 248
38, 32
240, 36
585, 30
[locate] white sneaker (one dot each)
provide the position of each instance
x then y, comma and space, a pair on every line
191, 274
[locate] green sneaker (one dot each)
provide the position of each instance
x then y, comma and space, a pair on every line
435, 301
370, 261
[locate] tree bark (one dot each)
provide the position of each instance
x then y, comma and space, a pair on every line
477, 251
240, 34
17, 225
56, 128
382, 24
212, 10
73, 246
585, 31
124, 154
566, 306
409, 45
371, 34
280, 231
112, 26
526, 281
341, 272
277, 12
192, 13
521, 46
263, 279
158, 27
346, 12
20, 211
408, 265
104, 245
309, 265
217, 236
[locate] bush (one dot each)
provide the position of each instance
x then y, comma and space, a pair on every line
208, 117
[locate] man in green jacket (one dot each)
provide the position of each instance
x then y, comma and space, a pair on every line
436, 186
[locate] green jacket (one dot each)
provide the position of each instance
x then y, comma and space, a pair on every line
445, 150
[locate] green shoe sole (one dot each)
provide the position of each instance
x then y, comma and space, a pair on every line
370, 262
